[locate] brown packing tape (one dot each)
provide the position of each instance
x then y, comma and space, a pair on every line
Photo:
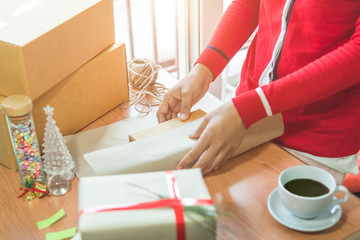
87, 94
166, 126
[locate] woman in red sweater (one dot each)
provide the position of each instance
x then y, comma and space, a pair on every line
304, 62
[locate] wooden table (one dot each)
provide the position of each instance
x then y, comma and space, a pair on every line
243, 184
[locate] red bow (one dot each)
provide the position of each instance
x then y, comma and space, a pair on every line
26, 190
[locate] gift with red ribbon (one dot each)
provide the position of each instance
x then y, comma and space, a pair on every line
155, 205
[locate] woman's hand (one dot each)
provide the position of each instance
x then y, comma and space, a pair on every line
185, 94
219, 136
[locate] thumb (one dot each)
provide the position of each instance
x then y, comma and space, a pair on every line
185, 108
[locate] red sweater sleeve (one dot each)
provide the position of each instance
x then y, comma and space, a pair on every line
234, 29
324, 77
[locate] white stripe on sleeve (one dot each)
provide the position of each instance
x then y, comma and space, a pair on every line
264, 101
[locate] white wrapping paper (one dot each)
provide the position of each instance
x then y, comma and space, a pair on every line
118, 133
103, 137
162, 152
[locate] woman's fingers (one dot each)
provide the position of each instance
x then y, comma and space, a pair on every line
192, 156
219, 135
199, 130
221, 157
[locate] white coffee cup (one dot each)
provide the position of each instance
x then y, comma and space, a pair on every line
305, 206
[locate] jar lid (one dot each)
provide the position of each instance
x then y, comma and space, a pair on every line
16, 105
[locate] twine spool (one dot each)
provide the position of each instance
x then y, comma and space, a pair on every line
143, 74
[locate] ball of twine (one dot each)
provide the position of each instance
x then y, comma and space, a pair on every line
142, 72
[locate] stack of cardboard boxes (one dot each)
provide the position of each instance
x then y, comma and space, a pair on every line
61, 53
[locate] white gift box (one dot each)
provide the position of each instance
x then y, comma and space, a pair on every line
102, 198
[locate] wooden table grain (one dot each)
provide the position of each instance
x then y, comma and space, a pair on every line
241, 185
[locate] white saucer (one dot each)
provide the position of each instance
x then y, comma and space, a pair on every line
283, 216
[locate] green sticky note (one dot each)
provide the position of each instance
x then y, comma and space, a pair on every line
68, 233
47, 222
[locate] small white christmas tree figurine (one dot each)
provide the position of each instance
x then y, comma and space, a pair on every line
57, 159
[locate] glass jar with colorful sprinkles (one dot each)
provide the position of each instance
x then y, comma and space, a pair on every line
17, 109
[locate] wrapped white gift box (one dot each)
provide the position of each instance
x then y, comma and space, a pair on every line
163, 151
102, 200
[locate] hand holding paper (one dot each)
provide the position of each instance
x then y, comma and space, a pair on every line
185, 94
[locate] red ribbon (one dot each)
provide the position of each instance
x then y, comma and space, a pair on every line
174, 201
26, 190
178, 209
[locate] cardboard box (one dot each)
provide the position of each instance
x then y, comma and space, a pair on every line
113, 192
42, 42
87, 94
7, 157
165, 126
